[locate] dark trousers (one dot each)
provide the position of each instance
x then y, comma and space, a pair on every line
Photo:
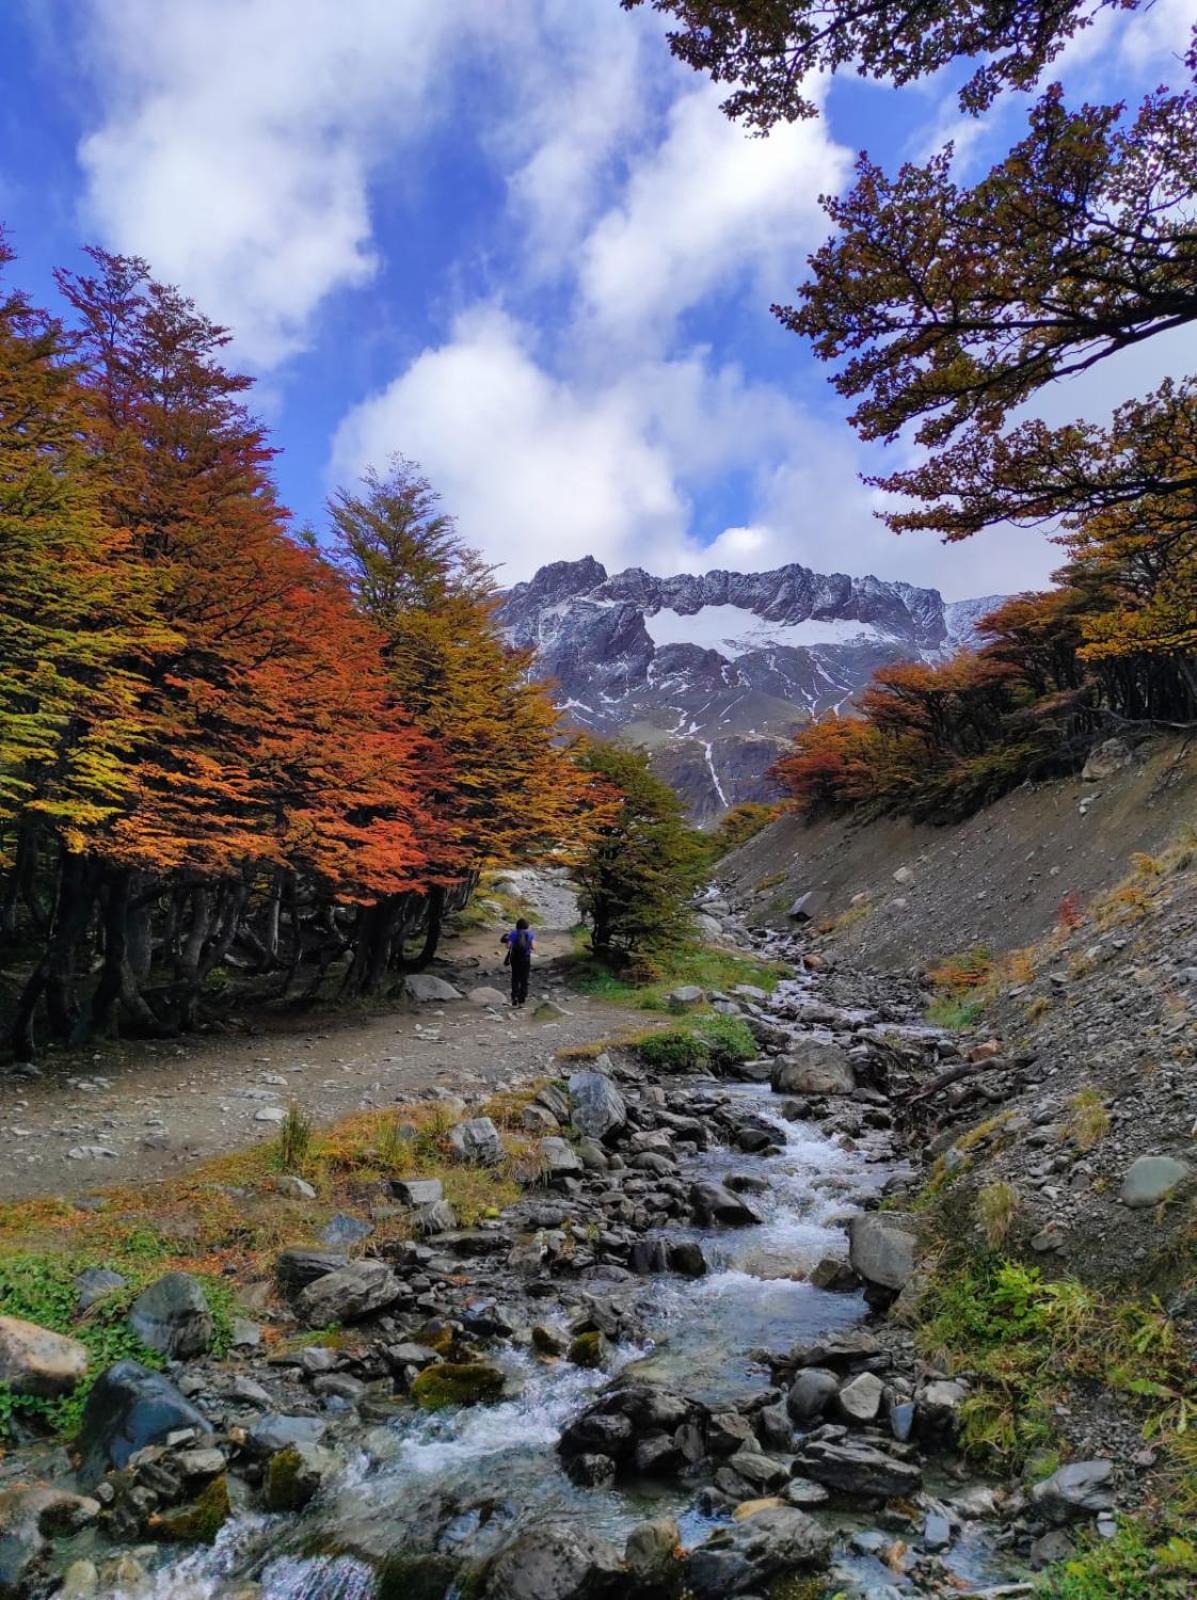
521, 967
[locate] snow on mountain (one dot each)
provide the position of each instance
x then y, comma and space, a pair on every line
713, 672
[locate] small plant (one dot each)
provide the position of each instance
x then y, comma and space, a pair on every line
998, 1205
294, 1144
392, 1142
1070, 913
955, 1011
1039, 1007
1089, 1121
967, 969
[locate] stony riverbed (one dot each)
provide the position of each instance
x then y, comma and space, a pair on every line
659, 1371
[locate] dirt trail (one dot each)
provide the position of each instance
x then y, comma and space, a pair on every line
157, 1106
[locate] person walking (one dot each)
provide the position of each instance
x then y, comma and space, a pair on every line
520, 942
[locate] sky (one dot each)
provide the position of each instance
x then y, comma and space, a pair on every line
514, 241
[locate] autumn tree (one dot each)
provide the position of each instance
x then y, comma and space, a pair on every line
643, 863
507, 790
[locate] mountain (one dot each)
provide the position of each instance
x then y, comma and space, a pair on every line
712, 673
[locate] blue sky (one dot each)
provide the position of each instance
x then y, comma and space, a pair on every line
513, 240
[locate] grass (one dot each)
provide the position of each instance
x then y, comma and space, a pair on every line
955, 1011
1089, 1120
998, 1205
1141, 1562
703, 965
294, 1146
697, 1043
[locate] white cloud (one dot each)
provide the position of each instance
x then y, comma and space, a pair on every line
238, 140
706, 209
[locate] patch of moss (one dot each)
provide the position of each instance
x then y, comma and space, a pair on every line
196, 1523
588, 1349
417, 1577
448, 1383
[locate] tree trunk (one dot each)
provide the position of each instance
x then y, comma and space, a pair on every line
54, 975
116, 946
20, 880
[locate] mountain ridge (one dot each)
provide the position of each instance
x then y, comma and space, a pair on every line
712, 672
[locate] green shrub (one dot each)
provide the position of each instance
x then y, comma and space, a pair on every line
700, 1043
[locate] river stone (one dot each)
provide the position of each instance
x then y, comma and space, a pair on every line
172, 1317
882, 1246
651, 1551
813, 1066
598, 1108
686, 1257
36, 1361
297, 1266
352, 1292
94, 1283
128, 1408
1075, 1490
713, 1202
296, 1474
857, 1469
29, 1517
558, 1158
557, 1561
1151, 1179
811, 1393
775, 1542
425, 989
465, 1383
276, 1431
860, 1399
476, 1142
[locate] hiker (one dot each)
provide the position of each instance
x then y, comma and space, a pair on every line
520, 942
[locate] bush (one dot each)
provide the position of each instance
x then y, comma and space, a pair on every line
703, 1043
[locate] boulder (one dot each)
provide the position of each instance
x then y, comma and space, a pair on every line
418, 1191
128, 1408
707, 927
811, 1393
557, 1561
36, 1361
685, 1256
1151, 1179
857, 1469
1106, 761
354, 1291
882, 1248
558, 1159
939, 1403
813, 1066
1076, 1490
808, 905
713, 1202
428, 1221
476, 1142
860, 1398
651, 1552
597, 1107
172, 1317
465, 1383
770, 1544
484, 995
30, 1516
296, 1474
297, 1266
423, 988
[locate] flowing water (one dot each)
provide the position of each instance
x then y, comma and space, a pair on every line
461, 1483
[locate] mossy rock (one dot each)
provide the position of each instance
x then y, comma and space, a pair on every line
196, 1523
294, 1476
588, 1350
465, 1383
418, 1577
436, 1334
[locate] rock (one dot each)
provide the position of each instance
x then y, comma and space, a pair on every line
588, 1349
425, 989
707, 927
592, 1155
651, 1551
937, 1531
29, 1518
247, 1335
939, 1402
591, 1471
549, 1341
465, 1383
839, 1347
1151, 1179
835, 1276
295, 1475
903, 876
555, 1101
294, 1188
775, 1542
80, 1581
276, 1431
1106, 761
297, 1266
860, 1398
808, 905
597, 1107
352, 1292
549, 1011
801, 1492
538, 1119
811, 1393
882, 1247
172, 1317
685, 1257
476, 1142
713, 1202
558, 1158
94, 1283
813, 1066
128, 1408
484, 995
1075, 1490
36, 1361
418, 1191
857, 1469
685, 998
557, 1561
439, 1217
274, 1114
343, 1229
199, 1521
1055, 1545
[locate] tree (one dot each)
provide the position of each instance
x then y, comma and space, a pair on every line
507, 789
641, 868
